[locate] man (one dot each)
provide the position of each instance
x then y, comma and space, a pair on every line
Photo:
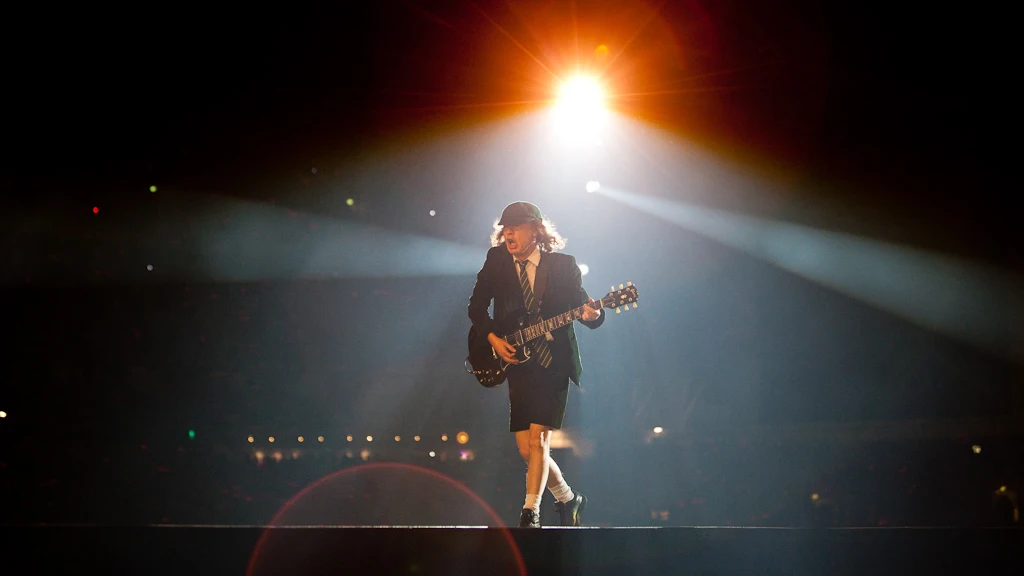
522, 270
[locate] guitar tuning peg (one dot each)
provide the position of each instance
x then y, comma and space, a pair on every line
629, 283
620, 286
634, 304
617, 311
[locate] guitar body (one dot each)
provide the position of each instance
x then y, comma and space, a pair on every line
491, 371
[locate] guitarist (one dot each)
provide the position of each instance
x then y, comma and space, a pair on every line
523, 253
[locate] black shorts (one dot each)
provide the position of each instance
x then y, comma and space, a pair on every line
537, 395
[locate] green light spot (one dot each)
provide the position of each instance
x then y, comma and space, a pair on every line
191, 433
152, 188
350, 202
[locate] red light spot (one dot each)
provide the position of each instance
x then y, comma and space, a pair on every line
95, 209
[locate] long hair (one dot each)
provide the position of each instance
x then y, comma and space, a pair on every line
548, 239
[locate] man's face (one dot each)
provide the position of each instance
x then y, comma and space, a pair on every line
520, 240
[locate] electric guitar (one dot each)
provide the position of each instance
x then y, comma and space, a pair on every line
521, 327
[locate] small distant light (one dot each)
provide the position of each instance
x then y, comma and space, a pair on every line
593, 186
462, 437
365, 454
319, 438
814, 496
658, 429
584, 269
152, 188
191, 433
432, 453
314, 170
149, 267
277, 456
976, 449
444, 437
369, 438
259, 456
433, 213
348, 438
1002, 488
301, 439
463, 455
4, 415
95, 209
416, 438
251, 439
271, 439
350, 202
398, 438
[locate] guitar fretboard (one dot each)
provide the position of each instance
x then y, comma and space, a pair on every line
541, 328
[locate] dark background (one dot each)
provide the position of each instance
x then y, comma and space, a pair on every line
885, 122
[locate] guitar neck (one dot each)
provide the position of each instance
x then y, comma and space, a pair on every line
541, 328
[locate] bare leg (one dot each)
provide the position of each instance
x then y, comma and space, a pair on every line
554, 472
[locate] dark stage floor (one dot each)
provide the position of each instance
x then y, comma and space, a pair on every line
194, 550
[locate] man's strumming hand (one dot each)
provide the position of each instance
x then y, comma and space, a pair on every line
505, 351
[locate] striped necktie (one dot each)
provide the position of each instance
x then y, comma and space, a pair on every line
539, 345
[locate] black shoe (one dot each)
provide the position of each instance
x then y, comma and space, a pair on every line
529, 519
570, 512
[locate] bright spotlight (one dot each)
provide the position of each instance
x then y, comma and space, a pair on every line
658, 429
976, 449
593, 186
580, 111
584, 269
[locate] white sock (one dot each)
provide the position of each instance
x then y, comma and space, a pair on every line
533, 503
562, 492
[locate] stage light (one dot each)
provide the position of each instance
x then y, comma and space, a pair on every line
581, 95
976, 449
95, 209
593, 186
462, 437
348, 438
191, 434
369, 438
149, 267
814, 496
444, 437
416, 438
251, 439
584, 269
580, 113
3, 414
271, 439
152, 188
398, 438
365, 454
432, 454
277, 456
319, 438
350, 202
658, 429
301, 439
433, 213
1002, 488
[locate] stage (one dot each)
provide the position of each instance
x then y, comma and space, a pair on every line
222, 550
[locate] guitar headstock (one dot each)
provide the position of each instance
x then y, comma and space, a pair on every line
621, 298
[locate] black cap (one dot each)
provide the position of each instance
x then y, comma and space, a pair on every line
518, 213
